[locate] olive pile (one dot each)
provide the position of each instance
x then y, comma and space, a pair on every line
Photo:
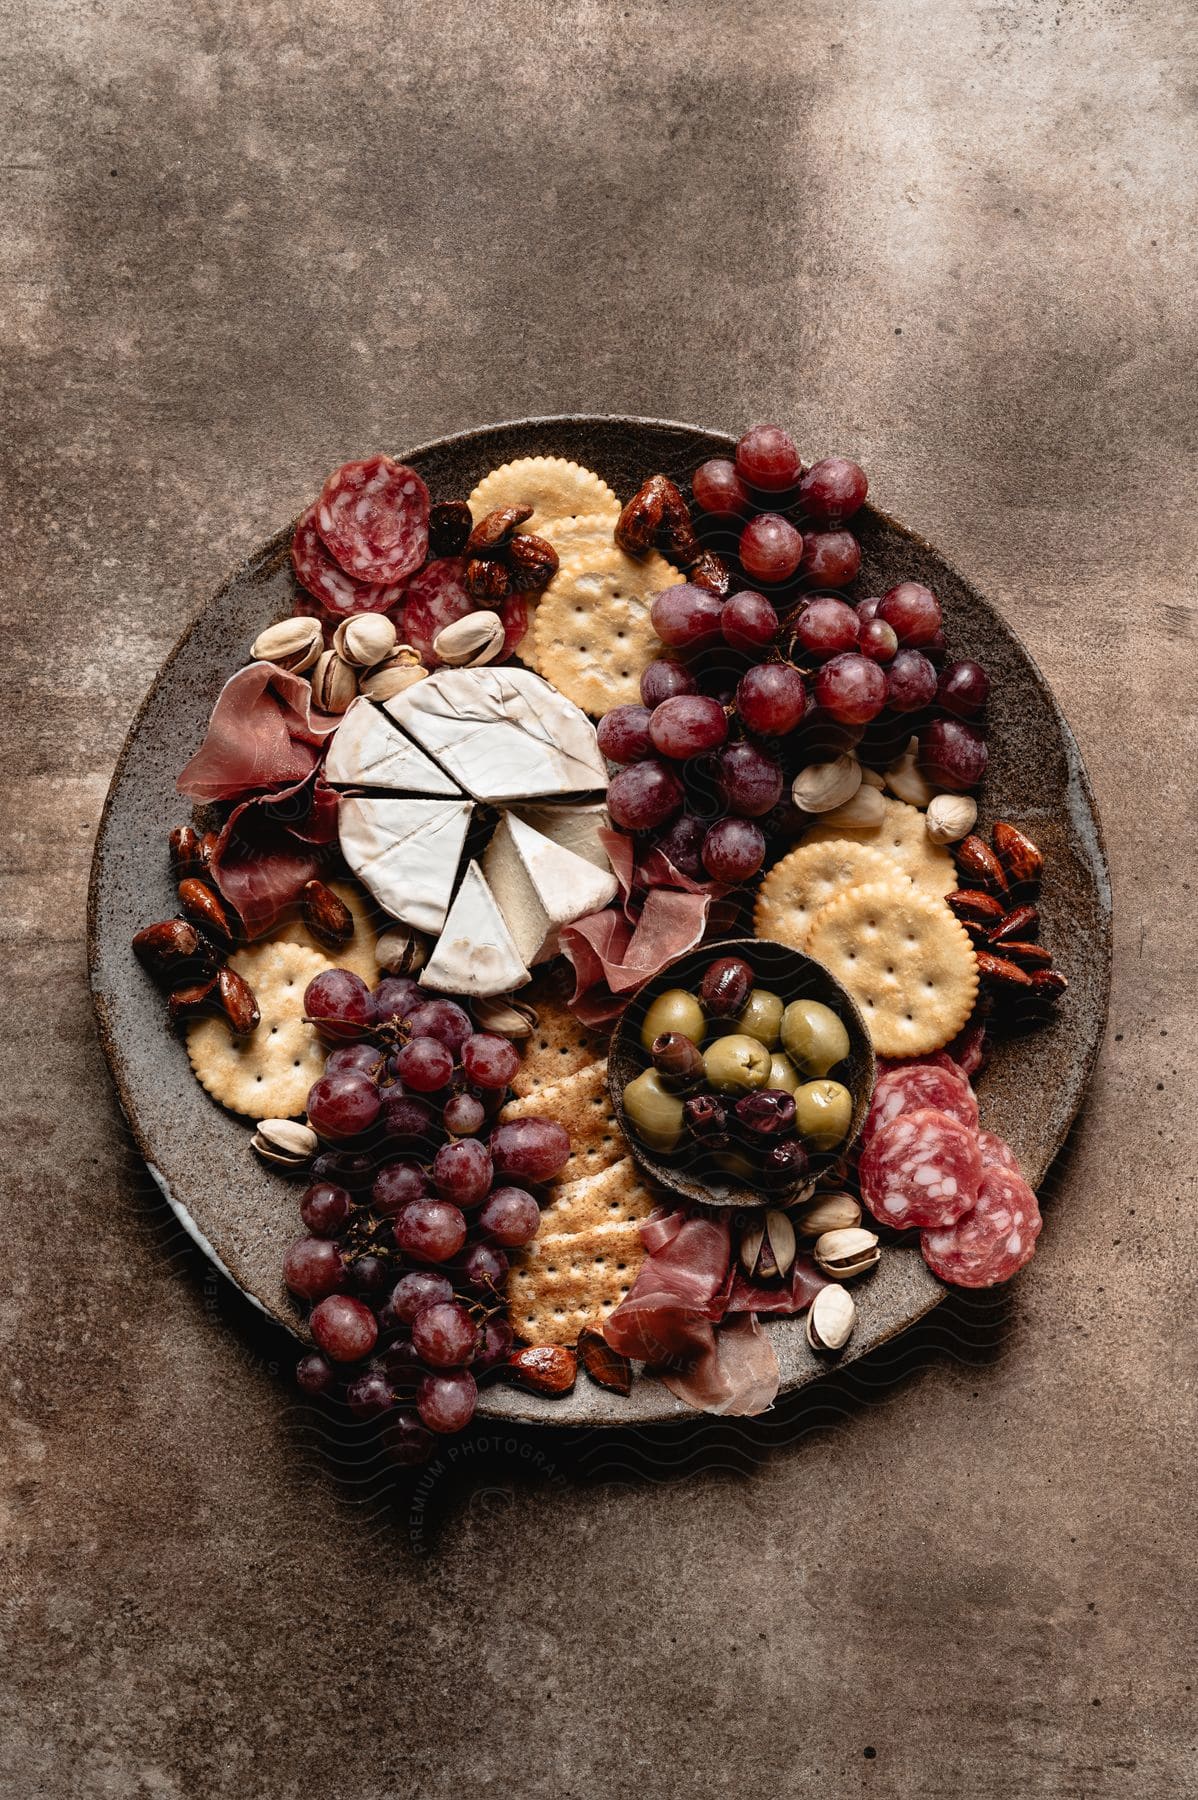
757, 1101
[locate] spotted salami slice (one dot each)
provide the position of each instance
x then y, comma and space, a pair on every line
921, 1169
437, 597
994, 1241
905, 1087
339, 595
970, 1049
997, 1153
373, 518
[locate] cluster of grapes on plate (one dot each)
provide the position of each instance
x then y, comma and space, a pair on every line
411, 1210
784, 672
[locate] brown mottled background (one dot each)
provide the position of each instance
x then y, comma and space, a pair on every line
240, 242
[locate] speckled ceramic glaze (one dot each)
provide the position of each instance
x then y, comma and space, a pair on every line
244, 1215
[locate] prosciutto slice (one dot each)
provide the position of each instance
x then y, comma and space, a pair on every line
737, 1377
784, 1300
270, 847
611, 958
677, 1298
264, 733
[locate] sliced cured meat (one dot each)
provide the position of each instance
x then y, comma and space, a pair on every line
922, 1169
907, 1086
997, 1153
970, 1049
271, 847
677, 1298
736, 1376
339, 595
994, 1240
264, 733
437, 597
611, 958
786, 1299
373, 517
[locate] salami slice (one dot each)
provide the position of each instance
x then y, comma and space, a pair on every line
997, 1153
373, 517
437, 597
994, 1241
907, 1086
921, 1169
340, 596
970, 1049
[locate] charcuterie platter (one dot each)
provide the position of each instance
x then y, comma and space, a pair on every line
594, 921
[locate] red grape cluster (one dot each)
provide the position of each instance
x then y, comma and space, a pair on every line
411, 1212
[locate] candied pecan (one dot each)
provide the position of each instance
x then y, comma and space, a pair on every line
488, 582
326, 915
657, 518
492, 532
712, 573
531, 562
175, 949
449, 525
192, 999
201, 902
237, 1001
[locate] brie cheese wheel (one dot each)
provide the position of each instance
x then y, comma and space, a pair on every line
367, 750
406, 852
475, 953
541, 886
504, 734
574, 827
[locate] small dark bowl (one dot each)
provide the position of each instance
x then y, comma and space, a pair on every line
785, 972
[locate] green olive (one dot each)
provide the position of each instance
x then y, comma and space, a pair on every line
675, 1010
783, 1073
736, 1064
762, 1017
654, 1114
813, 1036
823, 1113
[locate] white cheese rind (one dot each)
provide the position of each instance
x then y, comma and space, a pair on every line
368, 750
406, 852
541, 886
504, 734
574, 827
475, 953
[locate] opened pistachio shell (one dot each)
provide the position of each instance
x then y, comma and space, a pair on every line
905, 780
334, 683
750, 1246
844, 1253
864, 812
285, 1141
830, 1318
399, 951
292, 644
831, 1212
475, 639
781, 1235
366, 639
391, 678
821, 786
508, 1018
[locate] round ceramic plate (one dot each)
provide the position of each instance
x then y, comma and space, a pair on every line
244, 1215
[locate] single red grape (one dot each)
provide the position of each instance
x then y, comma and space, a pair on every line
339, 1003
484, 1269
733, 850
490, 1061
868, 609
644, 796
851, 689
369, 1275
444, 1336
910, 682
325, 1208
749, 781
830, 559
719, 490
748, 621
682, 845
413, 1294
424, 1064
623, 734
662, 680
833, 490
430, 1230
395, 996
510, 1216
314, 1373
366, 1058
766, 458
344, 1328
406, 1442
686, 617
827, 627
687, 726
352, 1169
344, 1104
369, 1395
498, 1338
914, 612
395, 1184
963, 689
878, 641
313, 1268
770, 548
771, 699
446, 1400
441, 1019
530, 1149
464, 1114
462, 1171
952, 754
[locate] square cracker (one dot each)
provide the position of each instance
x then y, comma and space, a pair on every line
559, 1046
617, 1195
562, 1283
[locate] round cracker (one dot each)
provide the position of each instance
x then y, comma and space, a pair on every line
589, 531
907, 962
592, 636
359, 954
266, 1075
903, 836
807, 878
552, 486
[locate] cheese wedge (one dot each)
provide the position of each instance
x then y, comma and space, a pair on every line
406, 852
504, 734
475, 953
572, 826
541, 886
367, 750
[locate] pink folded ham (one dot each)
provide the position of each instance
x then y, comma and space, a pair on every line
736, 1377
679, 1295
783, 1301
264, 733
270, 847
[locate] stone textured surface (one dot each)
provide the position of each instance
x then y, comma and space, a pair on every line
238, 244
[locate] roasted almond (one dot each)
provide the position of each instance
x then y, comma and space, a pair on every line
192, 999
978, 863
973, 907
494, 529
1021, 922
543, 1369
1018, 857
173, 949
201, 902
326, 915
1002, 976
1047, 984
237, 1002
1027, 955
187, 857
605, 1366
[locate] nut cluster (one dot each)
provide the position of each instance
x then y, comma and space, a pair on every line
658, 518
502, 560
996, 905
831, 1224
365, 658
